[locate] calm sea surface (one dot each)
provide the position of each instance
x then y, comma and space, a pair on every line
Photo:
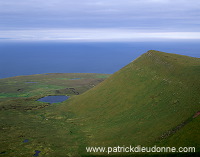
26, 58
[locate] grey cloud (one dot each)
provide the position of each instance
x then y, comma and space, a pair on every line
155, 14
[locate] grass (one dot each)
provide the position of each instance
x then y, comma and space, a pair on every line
138, 104
47, 132
18, 87
22, 117
151, 101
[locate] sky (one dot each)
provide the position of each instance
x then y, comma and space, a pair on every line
99, 20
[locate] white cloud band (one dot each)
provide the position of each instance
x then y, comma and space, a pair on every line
94, 35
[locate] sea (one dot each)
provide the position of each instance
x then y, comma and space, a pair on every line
27, 58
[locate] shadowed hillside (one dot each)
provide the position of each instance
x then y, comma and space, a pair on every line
150, 101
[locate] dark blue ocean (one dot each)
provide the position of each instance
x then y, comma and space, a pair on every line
26, 58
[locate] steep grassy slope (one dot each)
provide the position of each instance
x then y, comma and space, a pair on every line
150, 101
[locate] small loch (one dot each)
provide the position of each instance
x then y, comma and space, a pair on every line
26, 141
75, 79
54, 99
37, 153
30, 82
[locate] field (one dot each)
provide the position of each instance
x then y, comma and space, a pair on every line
28, 125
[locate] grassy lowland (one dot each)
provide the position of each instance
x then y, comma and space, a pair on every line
154, 100
28, 125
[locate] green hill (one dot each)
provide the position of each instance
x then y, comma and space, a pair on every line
151, 101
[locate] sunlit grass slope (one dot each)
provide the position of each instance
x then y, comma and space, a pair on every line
150, 101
